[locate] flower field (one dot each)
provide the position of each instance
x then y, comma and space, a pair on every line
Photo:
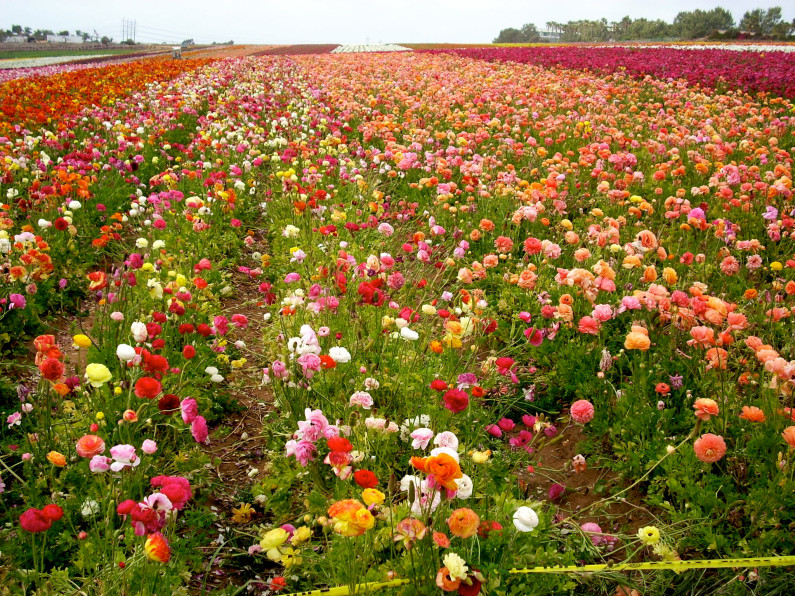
410, 319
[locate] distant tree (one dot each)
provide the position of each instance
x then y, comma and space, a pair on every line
63, 33
700, 23
16, 29
530, 33
106, 40
761, 21
509, 35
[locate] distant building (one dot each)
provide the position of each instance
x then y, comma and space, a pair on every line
550, 35
64, 39
16, 39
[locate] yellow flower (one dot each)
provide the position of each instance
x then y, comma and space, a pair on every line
372, 496
97, 374
649, 535
481, 457
243, 513
271, 542
81, 341
56, 459
301, 535
240, 363
776, 266
456, 566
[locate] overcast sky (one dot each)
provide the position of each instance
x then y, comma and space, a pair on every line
335, 21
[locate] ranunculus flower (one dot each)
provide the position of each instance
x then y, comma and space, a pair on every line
90, 445
54, 512
125, 352
99, 464
582, 411
52, 369
463, 522
525, 519
35, 521
190, 410
350, 517
97, 374
198, 428
149, 446
365, 479
147, 388
456, 400
156, 548
709, 448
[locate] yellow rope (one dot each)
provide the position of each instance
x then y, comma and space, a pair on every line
785, 561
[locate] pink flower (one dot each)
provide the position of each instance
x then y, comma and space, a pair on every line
588, 325
709, 448
314, 427
421, 437
494, 431
303, 451
582, 411
15, 418
123, 456
280, 370
362, 399
189, 410
149, 447
602, 312
99, 464
310, 363
446, 439
291, 277
198, 428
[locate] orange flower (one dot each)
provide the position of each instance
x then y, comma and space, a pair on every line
445, 581
444, 469
750, 294
753, 414
90, 445
436, 347
705, 407
463, 522
637, 341
157, 548
441, 540
56, 459
710, 448
789, 436
350, 517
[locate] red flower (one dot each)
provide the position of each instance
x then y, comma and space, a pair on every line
438, 385
277, 583
147, 387
365, 478
188, 352
340, 444
327, 361
54, 512
51, 369
456, 400
154, 363
168, 404
34, 521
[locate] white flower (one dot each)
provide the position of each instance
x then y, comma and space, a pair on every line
43, 223
339, 355
465, 487
158, 244
421, 436
125, 352
216, 378
407, 481
139, 331
409, 334
439, 450
89, 508
525, 519
371, 384
142, 243
75, 205
211, 370
446, 439
456, 566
